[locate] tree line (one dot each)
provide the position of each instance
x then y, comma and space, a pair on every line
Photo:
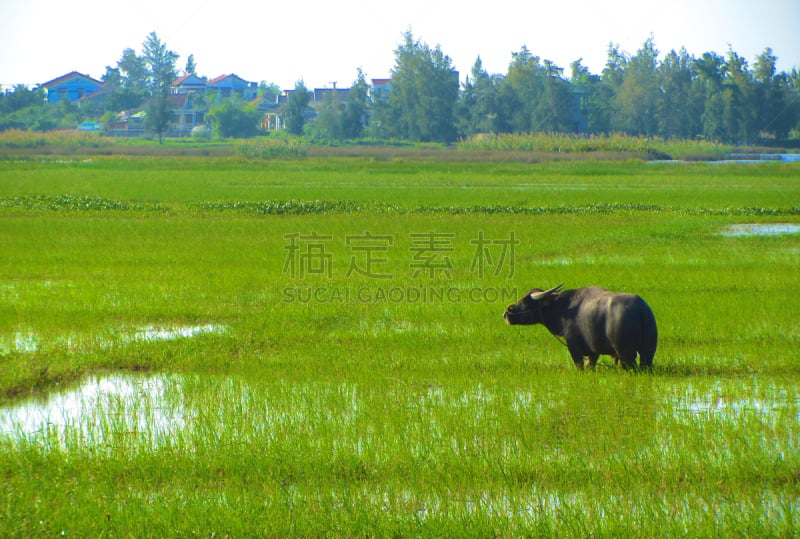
713, 97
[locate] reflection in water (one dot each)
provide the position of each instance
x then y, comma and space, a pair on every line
761, 229
28, 341
103, 410
154, 333
731, 403
143, 412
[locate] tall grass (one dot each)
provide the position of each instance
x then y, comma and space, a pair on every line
271, 148
17, 139
652, 147
370, 455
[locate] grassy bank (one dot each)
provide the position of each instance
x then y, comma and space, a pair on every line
530, 148
356, 378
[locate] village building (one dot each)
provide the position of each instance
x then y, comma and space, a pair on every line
70, 87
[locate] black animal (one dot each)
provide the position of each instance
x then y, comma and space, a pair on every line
592, 322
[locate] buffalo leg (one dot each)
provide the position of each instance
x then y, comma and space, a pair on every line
577, 358
625, 356
628, 361
592, 361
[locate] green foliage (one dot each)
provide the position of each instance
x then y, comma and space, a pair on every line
271, 148
295, 110
646, 147
159, 115
477, 105
161, 72
234, 119
160, 64
636, 104
282, 207
201, 133
191, 66
533, 97
19, 98
25, 109
71, 203
342, 118
59, 140
424, 92
679, 96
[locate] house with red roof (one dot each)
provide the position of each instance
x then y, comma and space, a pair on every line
227, 86
188, 84
70, 87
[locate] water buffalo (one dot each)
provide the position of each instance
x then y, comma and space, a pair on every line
592, 322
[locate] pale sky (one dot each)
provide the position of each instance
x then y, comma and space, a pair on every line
325, 41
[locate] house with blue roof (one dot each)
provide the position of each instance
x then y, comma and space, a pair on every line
70, 87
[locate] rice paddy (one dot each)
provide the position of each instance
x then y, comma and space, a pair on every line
227, 347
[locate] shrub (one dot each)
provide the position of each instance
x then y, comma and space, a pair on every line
201, 133
18, 139
651, 147
271, 148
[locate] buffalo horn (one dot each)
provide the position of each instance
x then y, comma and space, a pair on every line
542, 295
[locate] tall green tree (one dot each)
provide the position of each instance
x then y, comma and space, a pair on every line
710, 68
534, 96
191, 66
522, 89
128, 82
354, 115
602, 98
636, 99
133, 71
677, 108
739, 96
477, 106
552, 111
328, 123
343, 115
294, 111
160, 63
424, 93
777, 105
587, 85
161, 72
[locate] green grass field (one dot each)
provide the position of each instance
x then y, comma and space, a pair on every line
315, 347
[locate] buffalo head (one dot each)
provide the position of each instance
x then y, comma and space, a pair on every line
528, 310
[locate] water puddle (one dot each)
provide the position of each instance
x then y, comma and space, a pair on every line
107, 410
592, 260
760, 158
29, 342
144, 412
731, 402
761, 229
155, 333
737, 159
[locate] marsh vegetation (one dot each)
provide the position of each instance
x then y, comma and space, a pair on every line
156, 376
